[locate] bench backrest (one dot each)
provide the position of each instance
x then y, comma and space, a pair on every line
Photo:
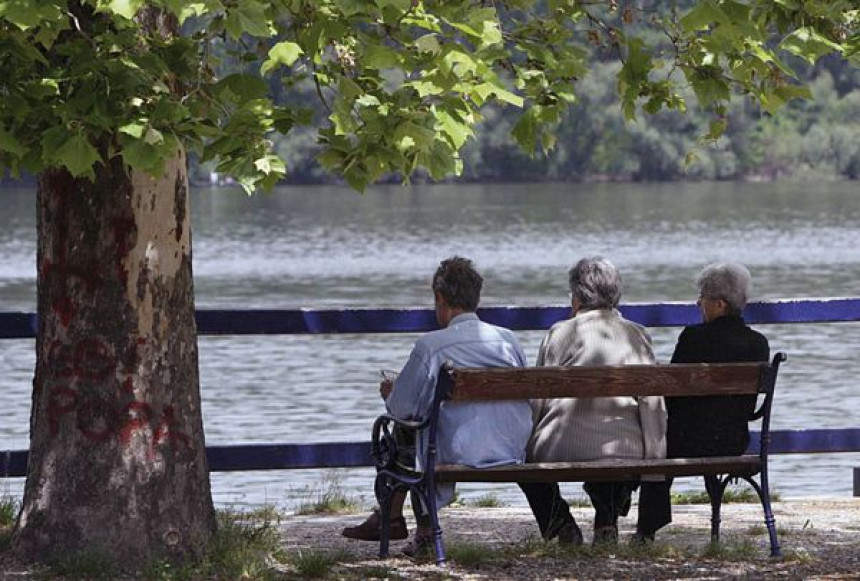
687, 379
607, 381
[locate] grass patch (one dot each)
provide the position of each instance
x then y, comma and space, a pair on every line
377, 572
486, 501
327, 498
798, 555
731, 550
579, 502
317, 564
84, 565
8, 511
732, 495
471, 555
758, 530
243, 547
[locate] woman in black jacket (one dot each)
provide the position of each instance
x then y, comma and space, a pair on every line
716, 425
705, 426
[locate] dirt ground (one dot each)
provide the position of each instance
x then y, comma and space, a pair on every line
820, 539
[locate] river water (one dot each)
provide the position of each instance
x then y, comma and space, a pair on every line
330, 247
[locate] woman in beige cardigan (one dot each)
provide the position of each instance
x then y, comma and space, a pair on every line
581, 429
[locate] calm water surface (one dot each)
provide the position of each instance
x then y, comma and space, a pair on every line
330, 247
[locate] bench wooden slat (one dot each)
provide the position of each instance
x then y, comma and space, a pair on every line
599, 470
607, 381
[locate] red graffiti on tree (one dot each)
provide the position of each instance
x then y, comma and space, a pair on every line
87, 360
97, 420
167, 431
82, 371
138, 415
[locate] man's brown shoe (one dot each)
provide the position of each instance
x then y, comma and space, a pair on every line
369, 530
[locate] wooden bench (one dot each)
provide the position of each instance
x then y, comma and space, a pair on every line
461, 385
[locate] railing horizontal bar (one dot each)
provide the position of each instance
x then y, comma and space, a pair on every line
810, 441
415, 320
13, 463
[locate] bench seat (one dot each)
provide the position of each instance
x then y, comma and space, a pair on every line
600, 470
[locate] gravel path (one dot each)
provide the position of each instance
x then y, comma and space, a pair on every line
820, 539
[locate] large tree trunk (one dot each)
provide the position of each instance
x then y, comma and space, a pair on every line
117, 454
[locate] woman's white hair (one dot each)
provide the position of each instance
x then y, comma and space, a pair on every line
729, 281
596, 283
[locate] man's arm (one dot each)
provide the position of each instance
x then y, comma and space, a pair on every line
412, 395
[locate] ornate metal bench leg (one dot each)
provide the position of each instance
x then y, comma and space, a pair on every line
715, 493
437, 530
763, 492
383, 497
770, 522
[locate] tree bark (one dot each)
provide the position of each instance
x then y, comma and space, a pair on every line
117, 451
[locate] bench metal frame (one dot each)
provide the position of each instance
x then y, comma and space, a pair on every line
520, 383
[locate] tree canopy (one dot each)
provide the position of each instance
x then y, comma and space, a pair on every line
402, 82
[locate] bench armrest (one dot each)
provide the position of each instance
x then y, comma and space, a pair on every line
389, 442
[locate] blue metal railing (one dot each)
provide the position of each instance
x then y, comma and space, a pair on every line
321, 321
357, 454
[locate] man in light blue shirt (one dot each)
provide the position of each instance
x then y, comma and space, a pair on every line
476, 434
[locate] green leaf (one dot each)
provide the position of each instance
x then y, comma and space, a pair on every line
457, 131
271, 164
78, 156
526, 129
411, 135
249, 17
484, 90
702, 15
136, 129
331, 159
808, 44
356, 177
28, 14
716, 129
425, 88
402, 5
153, 136
284, 53
440, 161
491, 34
10, 144
143, 156
125, 8
428, 43
380, 57
244, 87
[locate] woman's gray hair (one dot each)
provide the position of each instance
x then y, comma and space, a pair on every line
729, 281
595, 283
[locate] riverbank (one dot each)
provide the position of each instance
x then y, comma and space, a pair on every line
820, 539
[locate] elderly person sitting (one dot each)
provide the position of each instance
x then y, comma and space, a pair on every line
716, 425
712, 425
580, 429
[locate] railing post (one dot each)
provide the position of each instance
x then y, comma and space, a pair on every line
857, 481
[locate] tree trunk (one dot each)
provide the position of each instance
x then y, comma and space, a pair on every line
117, 453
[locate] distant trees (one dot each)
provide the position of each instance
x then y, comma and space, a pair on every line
809, 139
